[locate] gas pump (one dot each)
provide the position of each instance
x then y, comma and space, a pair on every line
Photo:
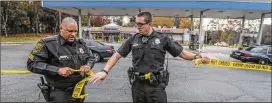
193, 45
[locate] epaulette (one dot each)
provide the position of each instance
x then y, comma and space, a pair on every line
81, 41
159, 34
50, 38
134, 35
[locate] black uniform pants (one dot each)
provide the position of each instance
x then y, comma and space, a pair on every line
63, 96
143, 92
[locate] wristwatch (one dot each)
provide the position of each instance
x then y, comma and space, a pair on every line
197, 56
105, 71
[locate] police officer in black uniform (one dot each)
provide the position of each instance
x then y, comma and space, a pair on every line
148, 55
56, 57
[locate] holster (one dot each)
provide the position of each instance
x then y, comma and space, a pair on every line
45, 89
164, 76
131, 75
154, 80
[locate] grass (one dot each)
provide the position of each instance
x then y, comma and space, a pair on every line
31, 38
23, 37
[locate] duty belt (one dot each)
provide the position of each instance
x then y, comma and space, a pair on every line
152, 78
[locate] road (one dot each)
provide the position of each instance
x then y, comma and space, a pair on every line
187, 83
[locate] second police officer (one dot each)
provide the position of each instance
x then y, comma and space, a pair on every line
148, 55
56, 57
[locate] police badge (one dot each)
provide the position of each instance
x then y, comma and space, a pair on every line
144, 40
81, 50
157, 41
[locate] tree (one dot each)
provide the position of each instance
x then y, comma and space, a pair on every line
34, 12
118, 20
196, 24
215, 36
130, 24
176, 21
163, 22
99, 21
214, 24
84, 20
5, 11
49, 20
12, 14
225, 30
252, 26
132, 19
267, 35
24, 17
232, 30
185, 23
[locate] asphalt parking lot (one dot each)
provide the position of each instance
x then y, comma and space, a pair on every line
187, 83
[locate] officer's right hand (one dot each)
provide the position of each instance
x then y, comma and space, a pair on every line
100, 76
65, 71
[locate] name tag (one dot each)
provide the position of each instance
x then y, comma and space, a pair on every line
63, 57
135, 44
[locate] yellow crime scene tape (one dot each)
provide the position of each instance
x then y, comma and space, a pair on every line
15, 72
238, 65
80, 85
77, 93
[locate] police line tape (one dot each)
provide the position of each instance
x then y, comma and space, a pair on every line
238, 65
80, 85
77, 93
21, 71
15, 72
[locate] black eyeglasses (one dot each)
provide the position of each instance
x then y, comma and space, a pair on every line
141, 24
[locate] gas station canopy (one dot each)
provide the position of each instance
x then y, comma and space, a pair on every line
223, 9
184, 8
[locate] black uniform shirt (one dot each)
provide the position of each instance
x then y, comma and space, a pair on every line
53, 52
149, 56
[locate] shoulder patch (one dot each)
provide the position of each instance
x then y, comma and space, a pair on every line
31, 57
38, 47
136, 35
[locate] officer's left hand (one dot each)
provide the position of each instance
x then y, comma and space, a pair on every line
206, 58
85, 68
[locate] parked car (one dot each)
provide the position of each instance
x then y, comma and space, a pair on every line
100, 50
257, 54
224, 44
